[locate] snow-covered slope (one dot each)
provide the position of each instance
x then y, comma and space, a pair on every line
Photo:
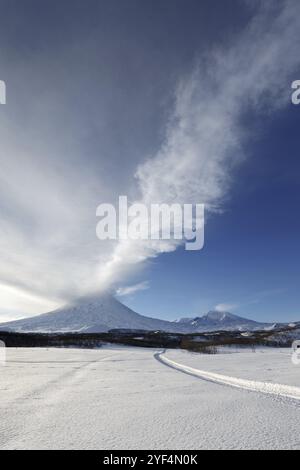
103, 312
88, 315
285, 337
215, 320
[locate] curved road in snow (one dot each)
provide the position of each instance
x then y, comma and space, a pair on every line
277, 390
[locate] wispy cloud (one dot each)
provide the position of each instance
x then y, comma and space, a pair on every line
130, 290
262, 295
256, 298
226, 307
19, 302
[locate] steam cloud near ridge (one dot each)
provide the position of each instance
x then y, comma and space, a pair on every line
206, 137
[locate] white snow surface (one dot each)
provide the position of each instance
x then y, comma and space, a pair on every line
124, 398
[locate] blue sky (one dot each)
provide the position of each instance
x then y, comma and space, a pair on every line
251, 256
133, 97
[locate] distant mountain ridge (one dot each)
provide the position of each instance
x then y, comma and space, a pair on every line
216, 320
101, 313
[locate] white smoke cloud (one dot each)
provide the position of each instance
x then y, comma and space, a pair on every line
225, 307
206, 137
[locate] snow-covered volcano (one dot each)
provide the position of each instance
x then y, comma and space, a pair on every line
89, 315
101, 313
216, 320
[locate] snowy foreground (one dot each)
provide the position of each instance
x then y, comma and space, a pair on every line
126, 398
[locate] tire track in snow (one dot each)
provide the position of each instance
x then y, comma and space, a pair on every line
61, 378
277, 390
41, 399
